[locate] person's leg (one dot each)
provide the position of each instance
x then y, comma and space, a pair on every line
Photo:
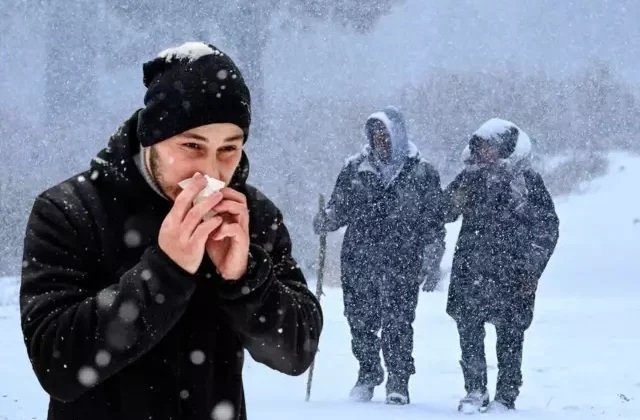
399, 297
362, 310
473, 362
509, 353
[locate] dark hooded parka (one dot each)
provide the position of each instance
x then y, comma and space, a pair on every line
509, 230
116, 330
391, 210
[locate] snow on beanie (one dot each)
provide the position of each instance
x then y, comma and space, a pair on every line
189, 86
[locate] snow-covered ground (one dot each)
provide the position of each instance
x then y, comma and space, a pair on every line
581, 353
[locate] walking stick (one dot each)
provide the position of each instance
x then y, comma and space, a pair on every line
319, 281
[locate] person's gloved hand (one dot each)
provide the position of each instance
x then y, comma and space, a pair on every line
430, 273
431, 278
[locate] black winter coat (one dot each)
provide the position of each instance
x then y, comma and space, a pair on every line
389, 225
501, 250
115, 329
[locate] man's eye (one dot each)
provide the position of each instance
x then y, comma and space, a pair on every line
194, 146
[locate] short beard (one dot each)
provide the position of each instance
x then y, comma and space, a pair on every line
157, 173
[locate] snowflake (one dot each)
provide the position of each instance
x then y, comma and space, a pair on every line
223, 411
88, 376
132, 238
103, 358
128, 311
197, 357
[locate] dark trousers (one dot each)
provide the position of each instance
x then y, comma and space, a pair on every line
375, 299
509, 353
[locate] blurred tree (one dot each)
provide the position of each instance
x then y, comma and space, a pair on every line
247, 24
70, 76
19, 184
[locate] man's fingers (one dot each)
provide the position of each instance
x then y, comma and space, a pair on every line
185, 199
231, 194
202, 232
197, 212
229, 206
234, 208
233, 230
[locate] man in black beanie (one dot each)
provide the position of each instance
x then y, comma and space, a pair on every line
138, 296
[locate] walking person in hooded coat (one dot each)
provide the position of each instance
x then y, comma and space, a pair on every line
388, 197
137, 304
509, 232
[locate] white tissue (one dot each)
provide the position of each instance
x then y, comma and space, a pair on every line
213, 185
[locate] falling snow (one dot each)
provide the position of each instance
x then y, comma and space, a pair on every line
88, 376
222, 74
129, 311
197, 357
132, 238
103, 358
106, 298
579, 100
223, 411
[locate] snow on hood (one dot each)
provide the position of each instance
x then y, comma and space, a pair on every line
502, 133
394, 121
190, 51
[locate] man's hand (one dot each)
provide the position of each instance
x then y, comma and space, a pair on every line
228, 245
183, 234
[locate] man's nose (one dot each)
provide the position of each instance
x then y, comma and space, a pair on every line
211, 170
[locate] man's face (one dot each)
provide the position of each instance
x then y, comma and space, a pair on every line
488, 153
214, 149
380, 141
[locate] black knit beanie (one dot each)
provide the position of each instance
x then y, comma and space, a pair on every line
189, 86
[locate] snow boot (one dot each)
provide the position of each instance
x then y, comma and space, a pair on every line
473, 402
362, 391
397, 391
500, 406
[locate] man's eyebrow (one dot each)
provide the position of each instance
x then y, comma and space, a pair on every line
195, 136
234, 138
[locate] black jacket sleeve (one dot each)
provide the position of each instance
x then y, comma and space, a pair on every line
341, 208
434, 225
454, 198
76, 335
271, 307
543, 223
